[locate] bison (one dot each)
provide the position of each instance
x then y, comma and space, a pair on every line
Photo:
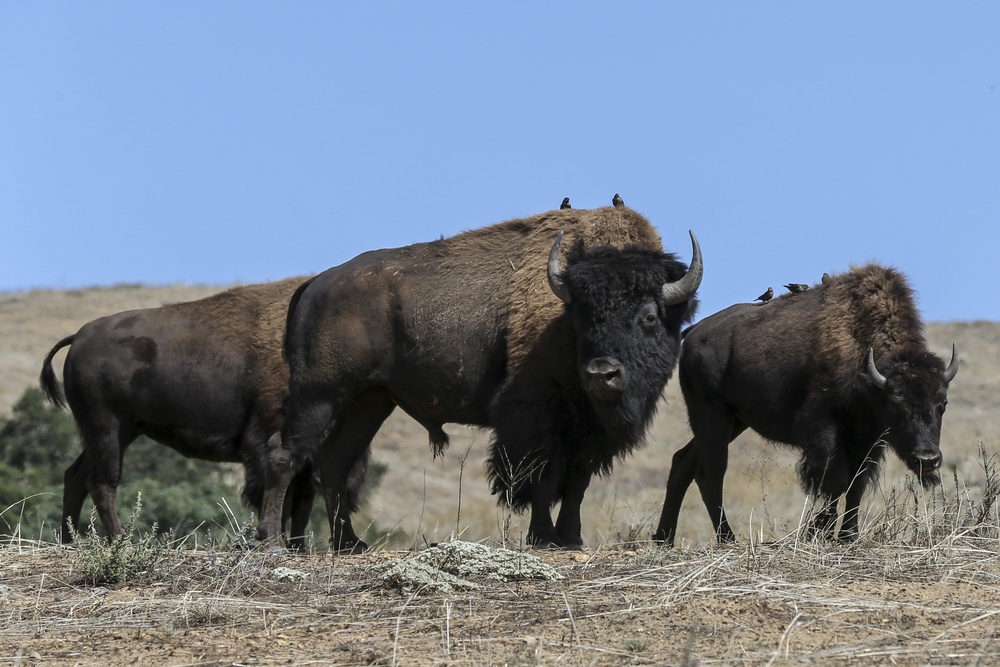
487, 328
205, 377
839, 371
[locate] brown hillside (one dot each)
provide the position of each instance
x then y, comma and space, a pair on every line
424, 498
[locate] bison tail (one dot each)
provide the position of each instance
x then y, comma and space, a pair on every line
291, 309
50, 385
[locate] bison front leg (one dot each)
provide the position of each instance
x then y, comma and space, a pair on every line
849, 526
544, 491
298, 507
280, 471
569, 530
823, 524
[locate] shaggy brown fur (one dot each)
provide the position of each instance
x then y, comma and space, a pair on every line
442, 329
870, 306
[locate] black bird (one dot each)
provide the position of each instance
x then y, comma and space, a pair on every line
827, 279
617, 201
796, 288
766, 296
565, 203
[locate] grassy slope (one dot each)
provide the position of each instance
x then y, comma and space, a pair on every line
425, 498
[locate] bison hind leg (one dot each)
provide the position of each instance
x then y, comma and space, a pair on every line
74, 494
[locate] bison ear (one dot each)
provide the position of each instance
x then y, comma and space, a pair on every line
877, 378
557, 281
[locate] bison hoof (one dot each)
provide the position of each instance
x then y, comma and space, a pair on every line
663, 539
554, 542
571, 544
263, 535
349, 547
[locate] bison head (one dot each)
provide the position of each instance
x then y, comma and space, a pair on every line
913, 388
627, 308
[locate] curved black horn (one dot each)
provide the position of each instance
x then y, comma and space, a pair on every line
684, 289
556, 280
876, 377
952, 370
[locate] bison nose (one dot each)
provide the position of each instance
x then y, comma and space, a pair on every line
605, 377
926, 464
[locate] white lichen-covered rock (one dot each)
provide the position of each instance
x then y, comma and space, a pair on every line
288, 574
410, 574
449, 566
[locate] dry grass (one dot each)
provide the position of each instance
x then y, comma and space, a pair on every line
920, 587
926, 597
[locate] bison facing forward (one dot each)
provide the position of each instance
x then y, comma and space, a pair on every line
205, 377
839, 371
566, 365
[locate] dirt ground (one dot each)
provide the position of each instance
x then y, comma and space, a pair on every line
778, 604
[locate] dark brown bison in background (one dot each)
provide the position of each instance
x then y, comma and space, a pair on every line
470, 329
839, 371
204, 377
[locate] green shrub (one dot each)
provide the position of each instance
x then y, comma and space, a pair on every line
121, 559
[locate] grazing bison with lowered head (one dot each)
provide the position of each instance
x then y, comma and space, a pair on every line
204, 377
563, 357
840, 371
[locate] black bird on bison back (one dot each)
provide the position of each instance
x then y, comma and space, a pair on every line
766, 296
565, 204
840, 373
617, 201
557, 331
796, 288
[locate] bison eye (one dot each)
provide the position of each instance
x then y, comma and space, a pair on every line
648, 317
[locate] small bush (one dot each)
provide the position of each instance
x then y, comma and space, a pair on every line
121, 559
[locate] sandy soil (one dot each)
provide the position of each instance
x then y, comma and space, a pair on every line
752, 605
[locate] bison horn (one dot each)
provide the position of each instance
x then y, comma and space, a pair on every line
876, 377
684, 289
556, 280
952, 370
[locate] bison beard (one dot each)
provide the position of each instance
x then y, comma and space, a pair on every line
550, 439
464, 330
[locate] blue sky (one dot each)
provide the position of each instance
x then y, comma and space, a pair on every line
222, 142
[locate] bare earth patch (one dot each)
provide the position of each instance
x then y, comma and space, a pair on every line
785, 603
